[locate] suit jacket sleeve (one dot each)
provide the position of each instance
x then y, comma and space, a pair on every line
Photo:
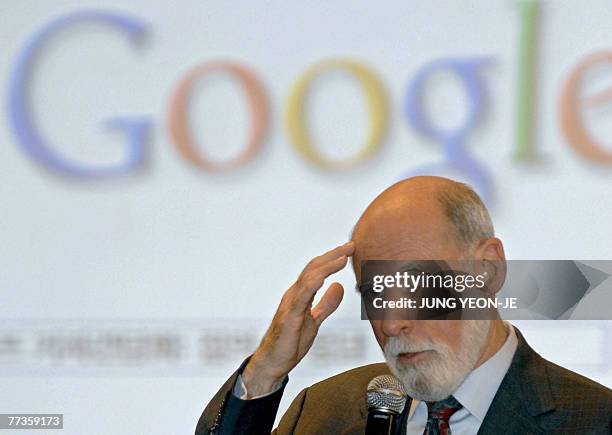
227, 414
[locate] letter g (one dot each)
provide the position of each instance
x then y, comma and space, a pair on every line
23, 125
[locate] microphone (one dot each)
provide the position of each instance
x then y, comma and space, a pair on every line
386, 399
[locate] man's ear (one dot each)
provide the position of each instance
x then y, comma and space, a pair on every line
491, 259
490, 249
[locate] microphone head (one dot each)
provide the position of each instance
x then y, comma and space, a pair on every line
386, 392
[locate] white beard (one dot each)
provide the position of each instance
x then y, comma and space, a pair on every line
442, 371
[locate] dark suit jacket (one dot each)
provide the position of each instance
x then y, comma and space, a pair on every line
535, 397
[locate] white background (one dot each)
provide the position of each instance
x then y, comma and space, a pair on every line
175, 242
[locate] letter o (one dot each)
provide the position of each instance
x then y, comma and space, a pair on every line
377, 108
179, 128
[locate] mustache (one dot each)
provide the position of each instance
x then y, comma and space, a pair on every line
398, 345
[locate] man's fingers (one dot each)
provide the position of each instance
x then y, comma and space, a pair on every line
305, 289
339, 251
311, 279
311, 282
328, 304
331, 267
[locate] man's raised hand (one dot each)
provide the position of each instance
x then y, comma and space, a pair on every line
296, 322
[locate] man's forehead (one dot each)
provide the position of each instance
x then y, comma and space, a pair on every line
405, 246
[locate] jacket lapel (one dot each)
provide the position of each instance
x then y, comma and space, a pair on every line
523, 395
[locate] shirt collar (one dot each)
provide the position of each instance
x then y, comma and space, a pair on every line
477, 391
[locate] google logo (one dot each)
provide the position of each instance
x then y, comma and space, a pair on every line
467, 69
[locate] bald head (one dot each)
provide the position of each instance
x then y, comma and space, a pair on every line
422, 218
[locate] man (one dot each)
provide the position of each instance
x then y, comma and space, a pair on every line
463, 376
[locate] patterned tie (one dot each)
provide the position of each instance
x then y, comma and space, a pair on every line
438, 414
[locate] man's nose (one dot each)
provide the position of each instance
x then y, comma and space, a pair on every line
395, 327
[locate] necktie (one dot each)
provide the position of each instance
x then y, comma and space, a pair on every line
438, 414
